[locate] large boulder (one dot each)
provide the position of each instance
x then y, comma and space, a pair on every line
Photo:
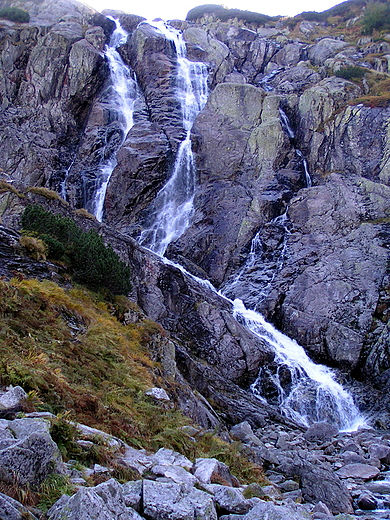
166, 501
103, 502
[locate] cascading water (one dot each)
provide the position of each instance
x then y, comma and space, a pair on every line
173, 205
291, 134
305, 392
308, 392
121, 99
254, 279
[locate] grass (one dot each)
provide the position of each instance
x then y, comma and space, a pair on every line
47, 193
7, 187
70, 351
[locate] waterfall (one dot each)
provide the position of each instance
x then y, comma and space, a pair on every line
253, 282
121, 99
305, 169
286, 125
173, 205
305, 391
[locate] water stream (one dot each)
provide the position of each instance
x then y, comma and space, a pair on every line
173, 206
121, 99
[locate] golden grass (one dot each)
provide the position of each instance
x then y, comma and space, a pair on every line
47, 193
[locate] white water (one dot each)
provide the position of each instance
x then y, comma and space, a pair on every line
121, 102
291, 134
173, 206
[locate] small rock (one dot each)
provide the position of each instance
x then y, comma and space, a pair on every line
289, 485
167, 457
243, 432
367, 501
175, 473
158, 393
320, 507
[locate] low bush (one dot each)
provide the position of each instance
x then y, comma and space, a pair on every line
351, 73
376, 17
92, 263
14, 14
225, 14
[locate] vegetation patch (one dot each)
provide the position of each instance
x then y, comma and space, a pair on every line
7, 187
76, 359
91, 262
14, 14
376, 17
222, 13
48, 194
351, 73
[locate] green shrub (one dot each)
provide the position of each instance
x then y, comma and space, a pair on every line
351, 73
14, 14
93, 264
376, 17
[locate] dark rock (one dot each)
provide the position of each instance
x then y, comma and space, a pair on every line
367, 501
320, 432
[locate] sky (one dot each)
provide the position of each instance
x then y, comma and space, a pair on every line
178, 9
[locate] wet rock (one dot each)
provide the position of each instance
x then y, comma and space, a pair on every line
367, 501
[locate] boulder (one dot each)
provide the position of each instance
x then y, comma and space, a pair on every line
213, 471
321, 432
229, 500
103, 502
321, 484
30, 460
10, 509
359, 471
325, 48
12, 400
275, 512
166, 501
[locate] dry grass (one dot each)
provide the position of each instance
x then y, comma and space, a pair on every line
47, 193
35, 247
84, 213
